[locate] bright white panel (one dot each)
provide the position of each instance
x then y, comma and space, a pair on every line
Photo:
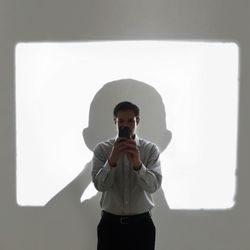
198, 81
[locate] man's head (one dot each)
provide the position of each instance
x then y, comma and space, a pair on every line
127, 114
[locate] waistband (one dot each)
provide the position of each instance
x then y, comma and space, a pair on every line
125, 219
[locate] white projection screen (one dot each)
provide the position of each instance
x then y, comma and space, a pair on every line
197, 81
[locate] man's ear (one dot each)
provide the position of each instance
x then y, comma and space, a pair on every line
115, 120
137, 120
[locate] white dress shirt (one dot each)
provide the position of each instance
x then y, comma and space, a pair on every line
126, 191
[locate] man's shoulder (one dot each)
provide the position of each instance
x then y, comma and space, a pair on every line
105, 145
144, 143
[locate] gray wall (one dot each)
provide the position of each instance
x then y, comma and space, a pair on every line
63, 225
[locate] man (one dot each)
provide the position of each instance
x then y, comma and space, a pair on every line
127, 171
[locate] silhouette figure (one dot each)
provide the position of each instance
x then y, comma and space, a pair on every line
100, 128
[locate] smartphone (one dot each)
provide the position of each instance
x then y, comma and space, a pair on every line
124, 132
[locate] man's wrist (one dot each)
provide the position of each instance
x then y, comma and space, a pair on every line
138, 166
111, 164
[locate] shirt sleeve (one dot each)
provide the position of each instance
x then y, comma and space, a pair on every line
150, 176
102, 173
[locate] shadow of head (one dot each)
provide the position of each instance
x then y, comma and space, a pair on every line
152, 125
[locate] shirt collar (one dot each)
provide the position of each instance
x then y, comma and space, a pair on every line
137, 140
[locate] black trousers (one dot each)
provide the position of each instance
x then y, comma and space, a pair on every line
134, 232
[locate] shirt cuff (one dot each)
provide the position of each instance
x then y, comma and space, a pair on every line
108, 167
142, 170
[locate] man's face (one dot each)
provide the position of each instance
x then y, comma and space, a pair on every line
127, 118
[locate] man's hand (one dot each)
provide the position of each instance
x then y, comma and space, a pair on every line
118, 150
132, 152
125, 146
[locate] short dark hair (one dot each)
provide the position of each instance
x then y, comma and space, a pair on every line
125, 106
